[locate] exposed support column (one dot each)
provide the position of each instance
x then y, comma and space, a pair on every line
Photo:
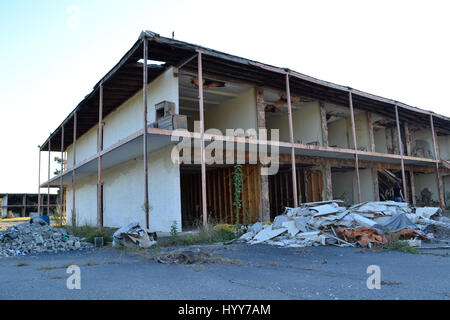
145, 84
202, 138
355, 145
400, 145
437, 158
264, 206
376, 187
407, 139
74, 211
39, 183
324, 123
61, 189
48, 177
100, 161
413, 187
24, 205
323, 117
291, 135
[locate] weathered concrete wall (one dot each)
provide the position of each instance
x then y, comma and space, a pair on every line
380, 140
342, 183
86, 147
128, 118
306, 122
236, 113
362, 131
338, 134
422, 143
124, 194
366, 181
426, 180
444, 147
345, 186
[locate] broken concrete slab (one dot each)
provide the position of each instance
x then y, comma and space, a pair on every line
267, 234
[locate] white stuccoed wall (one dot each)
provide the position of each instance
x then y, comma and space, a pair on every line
123, 194
128, 118
123, 184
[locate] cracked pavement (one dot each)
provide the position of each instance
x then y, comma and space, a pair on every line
252, 272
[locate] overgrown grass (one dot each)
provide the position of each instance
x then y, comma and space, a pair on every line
89, 233
206, 234
394, 243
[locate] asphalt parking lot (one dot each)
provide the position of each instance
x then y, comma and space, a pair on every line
252, 272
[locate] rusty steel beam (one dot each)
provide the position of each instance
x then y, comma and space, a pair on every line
100, 161
145, 84
291, 136
61, 196
39, 184
202, 138
74, 212
48, 170
402, 160
436, 157
358, 182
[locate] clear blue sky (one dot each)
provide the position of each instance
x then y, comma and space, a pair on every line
53, 52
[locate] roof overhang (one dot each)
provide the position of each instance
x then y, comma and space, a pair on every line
126, 79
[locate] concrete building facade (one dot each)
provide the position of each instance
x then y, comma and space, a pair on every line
333, 142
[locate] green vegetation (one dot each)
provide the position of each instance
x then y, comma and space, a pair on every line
394, 243
89, 233
206, 234
237, 183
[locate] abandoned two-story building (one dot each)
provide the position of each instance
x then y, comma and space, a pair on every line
333, 142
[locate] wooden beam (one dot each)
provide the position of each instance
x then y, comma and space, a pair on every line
407, 139
202, 138
371, 134
400, 145
413, 187
264, 200
376, 185
436, 157
355, 145
323, 118
328, 186
291, 136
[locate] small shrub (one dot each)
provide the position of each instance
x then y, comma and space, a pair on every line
394, 243
89, 233
174, 230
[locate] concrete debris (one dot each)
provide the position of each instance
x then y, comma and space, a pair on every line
38, 237
427, 212
364, 224
133, 235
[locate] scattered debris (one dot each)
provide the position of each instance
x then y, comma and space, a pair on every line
364, 224
38, 237
133, 235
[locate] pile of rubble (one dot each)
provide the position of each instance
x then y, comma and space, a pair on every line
37, 237
364, 224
